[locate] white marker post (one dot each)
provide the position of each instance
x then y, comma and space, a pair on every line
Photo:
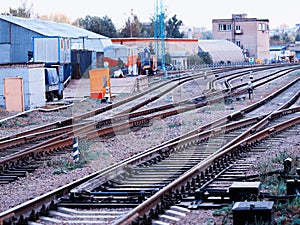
75, 150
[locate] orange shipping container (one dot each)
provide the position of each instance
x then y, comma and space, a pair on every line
99, 80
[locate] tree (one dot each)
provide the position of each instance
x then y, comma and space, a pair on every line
21, 11
275, 38
146, 30
172, 28
103, 26
108, 28
58, 17
132, 27
205, 57
286, 38
194, 60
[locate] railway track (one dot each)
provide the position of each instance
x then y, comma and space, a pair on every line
11, 166
103, 122
91, 114
140, 183
163, 153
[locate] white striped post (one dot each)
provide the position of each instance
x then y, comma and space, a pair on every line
75, 150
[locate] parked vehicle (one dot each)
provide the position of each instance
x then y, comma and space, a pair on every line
55, 52
147, 63
54, 88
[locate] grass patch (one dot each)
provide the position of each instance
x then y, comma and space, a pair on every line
85, 156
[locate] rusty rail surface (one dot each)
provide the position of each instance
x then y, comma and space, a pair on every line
66, 139
67, 142
153, 201
46, 199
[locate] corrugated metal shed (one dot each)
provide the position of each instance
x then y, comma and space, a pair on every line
221, 50
16, 34
49, 28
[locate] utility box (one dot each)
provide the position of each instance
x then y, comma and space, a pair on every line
22, 86
292, 186
99, 83
253, 213
241, 191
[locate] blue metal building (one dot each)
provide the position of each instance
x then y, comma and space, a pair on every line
26, 40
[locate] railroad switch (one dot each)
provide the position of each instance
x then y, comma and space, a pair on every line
210, 198
293, 184
253, 213
241, 191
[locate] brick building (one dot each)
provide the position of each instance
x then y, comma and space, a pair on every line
250, 34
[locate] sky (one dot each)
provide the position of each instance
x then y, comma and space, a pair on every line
191, 12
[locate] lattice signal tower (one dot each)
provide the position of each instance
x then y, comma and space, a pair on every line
159, 32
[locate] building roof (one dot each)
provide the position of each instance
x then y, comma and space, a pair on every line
294, 47
221, 50
277, 47
50, 28
117, 51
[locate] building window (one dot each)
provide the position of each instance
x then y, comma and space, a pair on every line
262, 26
237, 27
238, 43
62, 44
68, 44
224, 27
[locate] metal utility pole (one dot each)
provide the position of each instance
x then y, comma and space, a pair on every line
131, 22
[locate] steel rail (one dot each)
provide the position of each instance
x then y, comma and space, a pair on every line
16, 211
31, 137
20, 210
70, 121
235, 75
144, 121
53, 143
154, 200
46, 127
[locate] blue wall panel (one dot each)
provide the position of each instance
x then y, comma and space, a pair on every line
21, 43
4, 32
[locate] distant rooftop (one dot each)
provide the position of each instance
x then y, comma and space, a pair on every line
50, 28
221, 50
239, 17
